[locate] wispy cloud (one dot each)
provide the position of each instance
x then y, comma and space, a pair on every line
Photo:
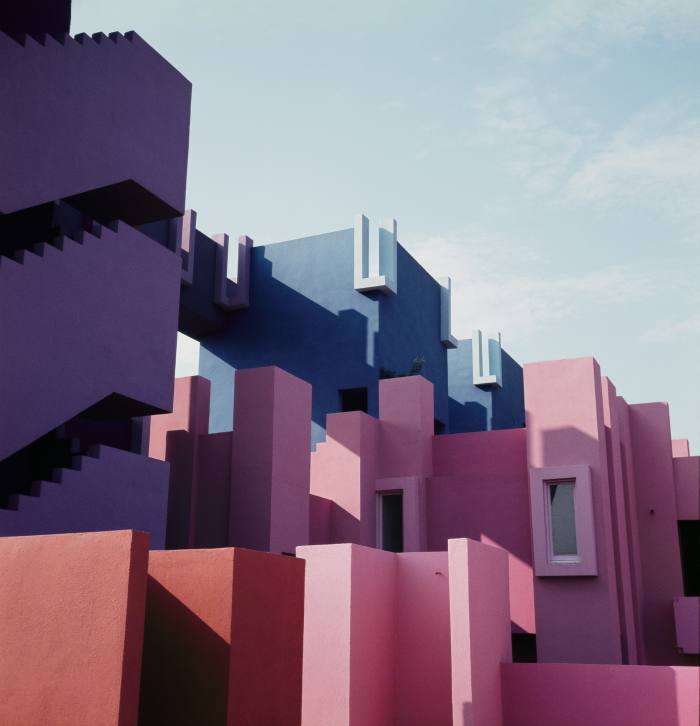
645, 162
540, 148
652, 160
674, 330
582, 26
498, 285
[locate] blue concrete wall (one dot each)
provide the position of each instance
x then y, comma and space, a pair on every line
306, 317
472, 408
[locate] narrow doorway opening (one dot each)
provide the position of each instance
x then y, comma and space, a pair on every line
391, 522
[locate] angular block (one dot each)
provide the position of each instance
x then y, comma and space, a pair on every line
535, 694
398, 638
270, 460
480, 631
72, 628
223, 639
686, 611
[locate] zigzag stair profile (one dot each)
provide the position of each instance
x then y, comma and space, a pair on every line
67, 136
106, 489
119, 294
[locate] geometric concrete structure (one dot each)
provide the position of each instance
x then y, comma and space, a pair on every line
605, 695
451, 507
375, 258
223, 638
486, 359
72, 628
417, 637
249, 487
446, 337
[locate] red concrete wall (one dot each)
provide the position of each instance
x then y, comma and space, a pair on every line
71, 630
599, 695
223, 638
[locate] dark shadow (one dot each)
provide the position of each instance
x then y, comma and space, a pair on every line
184, 674
283, 327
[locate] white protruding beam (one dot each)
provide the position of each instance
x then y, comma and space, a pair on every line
487, 367
376, 260
232, 274
446, 337
185, 235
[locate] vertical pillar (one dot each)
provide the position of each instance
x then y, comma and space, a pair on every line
480, 631
270, 460
577, 616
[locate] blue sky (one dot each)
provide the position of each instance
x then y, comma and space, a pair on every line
546, 155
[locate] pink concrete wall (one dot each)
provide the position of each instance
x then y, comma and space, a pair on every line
376, 637
631, 523
344, 471
406, 410
223, 638
72, 628
422, 648
373, 612
601, 695
480, 631
270, 460
658, 528
326, 666
621, 540
479, 490
680, 447
577, 617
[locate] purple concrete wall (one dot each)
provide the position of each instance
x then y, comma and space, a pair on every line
479, 490
480, 631
577, 617
658, 528
175, 437
83, 323
686, 611
604, 695
686, 475
85, 120
111, 490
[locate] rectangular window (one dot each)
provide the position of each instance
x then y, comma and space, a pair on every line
562, 520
